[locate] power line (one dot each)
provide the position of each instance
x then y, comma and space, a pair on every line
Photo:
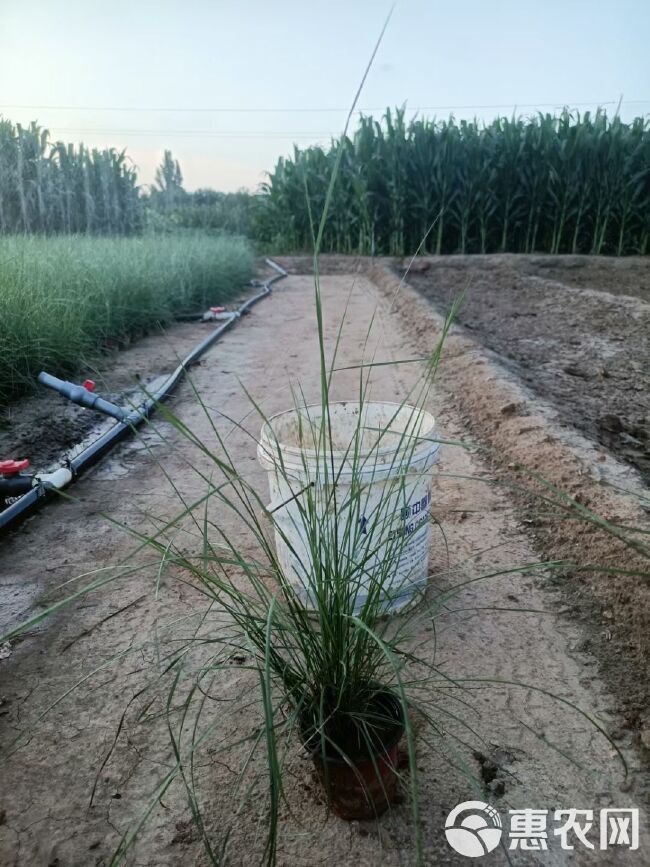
207, 134
264, 134
269, 134
266, 110
199, 132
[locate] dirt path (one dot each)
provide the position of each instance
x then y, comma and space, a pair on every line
544, 754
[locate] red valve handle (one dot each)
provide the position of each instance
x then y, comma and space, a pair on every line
12, 468
89, 384
217, 310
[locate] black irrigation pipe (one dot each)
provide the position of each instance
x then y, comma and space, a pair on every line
96, 450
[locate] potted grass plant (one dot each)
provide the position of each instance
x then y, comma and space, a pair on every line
341, 547
339, 550
344, 480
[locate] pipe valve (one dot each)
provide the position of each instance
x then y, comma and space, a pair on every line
13, 482
82, 394
12, 468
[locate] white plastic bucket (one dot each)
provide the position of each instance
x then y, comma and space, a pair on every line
380, 457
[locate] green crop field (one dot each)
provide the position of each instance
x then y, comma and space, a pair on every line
62, 299
48, 186
565, 184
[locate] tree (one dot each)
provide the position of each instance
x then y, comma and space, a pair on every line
169, 183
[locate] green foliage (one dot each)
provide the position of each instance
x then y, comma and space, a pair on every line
63, 298
168, 193
52, 187
566, 184
239, 213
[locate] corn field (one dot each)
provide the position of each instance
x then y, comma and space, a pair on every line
52, 187
555, 184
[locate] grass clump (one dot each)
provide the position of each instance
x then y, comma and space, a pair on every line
64, 299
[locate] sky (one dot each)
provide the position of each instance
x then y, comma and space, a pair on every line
229, 87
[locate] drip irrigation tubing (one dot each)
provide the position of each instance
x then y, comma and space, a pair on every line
48, 483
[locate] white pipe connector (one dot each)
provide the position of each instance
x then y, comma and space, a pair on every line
59, 479
219, 316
